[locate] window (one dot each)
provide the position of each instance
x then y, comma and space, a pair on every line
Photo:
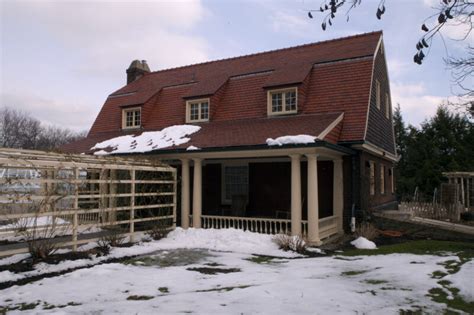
392, 181
387, 105
382, 179
235, 182
197, 110
377, 93
131, 118
282, 101
372, 178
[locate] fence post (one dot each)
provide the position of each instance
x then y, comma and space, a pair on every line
76, 208
132, 205
175, 184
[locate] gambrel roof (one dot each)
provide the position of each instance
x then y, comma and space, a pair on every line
333, 77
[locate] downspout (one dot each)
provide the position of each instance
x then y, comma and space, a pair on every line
354, 194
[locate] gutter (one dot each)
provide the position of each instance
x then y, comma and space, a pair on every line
317, 144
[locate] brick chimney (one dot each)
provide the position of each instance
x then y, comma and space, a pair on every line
136, 70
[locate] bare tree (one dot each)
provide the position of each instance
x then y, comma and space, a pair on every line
459, 11
19, 130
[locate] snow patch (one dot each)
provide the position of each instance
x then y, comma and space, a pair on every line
299, 139
147, 141
363, 243
32, 222
192, 148
463, 281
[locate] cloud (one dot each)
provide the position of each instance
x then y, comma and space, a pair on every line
110, 33
416, 104
65, 113
74, 47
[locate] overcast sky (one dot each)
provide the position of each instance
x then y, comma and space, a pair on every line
60, 59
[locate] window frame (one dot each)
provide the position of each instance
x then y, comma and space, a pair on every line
200, 101
378, 96
382, 180
270, 112
372, 178
387, 106
124, 117
392, 181
223, 182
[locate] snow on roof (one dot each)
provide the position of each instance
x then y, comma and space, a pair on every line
192, 148
299, 139
147, 141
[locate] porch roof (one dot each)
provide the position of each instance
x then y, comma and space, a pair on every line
249, 134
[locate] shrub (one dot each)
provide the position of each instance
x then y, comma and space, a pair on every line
367, 230
158, 230
113, 238
287, 242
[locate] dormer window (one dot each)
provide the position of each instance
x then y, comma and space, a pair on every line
197, 110
131, 118
284, 101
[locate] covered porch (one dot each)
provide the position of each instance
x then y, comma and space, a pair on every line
295, 190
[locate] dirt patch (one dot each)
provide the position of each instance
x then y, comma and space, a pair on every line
214, 271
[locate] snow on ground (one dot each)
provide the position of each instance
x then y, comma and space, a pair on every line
211, 239
363, 243
464, 281
147, 141
327, 285
14, 232
32, 222
299, 139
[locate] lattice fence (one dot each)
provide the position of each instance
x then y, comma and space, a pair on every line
51, 195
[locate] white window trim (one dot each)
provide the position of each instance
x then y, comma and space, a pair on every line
387, 106
124, 117
231, 163
377, 94
188, 110
284, 111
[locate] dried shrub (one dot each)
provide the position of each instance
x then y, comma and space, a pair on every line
287, 242
113, 238
158, 230
367, 230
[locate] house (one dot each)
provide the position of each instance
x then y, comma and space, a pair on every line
290, 139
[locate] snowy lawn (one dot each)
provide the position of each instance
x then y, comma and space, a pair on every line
215, 271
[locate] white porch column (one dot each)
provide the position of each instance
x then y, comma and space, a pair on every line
338, 193
313, 200
197, 193
185, 193
295, 194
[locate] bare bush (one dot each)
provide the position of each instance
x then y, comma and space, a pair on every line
367, 230
113, 238
287, 242
158, 230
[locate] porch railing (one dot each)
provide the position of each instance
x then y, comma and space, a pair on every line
327, 226
259, 225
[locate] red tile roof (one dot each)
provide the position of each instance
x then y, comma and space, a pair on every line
248, 132
332, 76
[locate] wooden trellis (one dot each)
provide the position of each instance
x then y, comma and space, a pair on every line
84, 192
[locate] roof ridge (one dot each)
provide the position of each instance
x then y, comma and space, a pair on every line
266, 52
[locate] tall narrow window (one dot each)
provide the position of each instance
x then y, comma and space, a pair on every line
372, 178
382, 179
283, 101
235, 182
197, 110
377, 94
392, 181
387, 105
131, 118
